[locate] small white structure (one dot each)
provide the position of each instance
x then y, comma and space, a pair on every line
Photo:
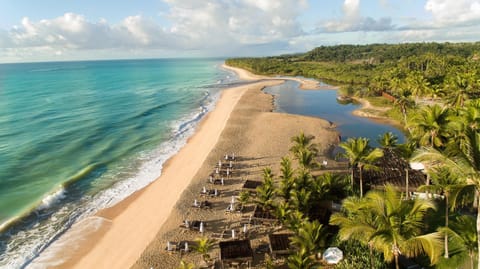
201, 229
333, 255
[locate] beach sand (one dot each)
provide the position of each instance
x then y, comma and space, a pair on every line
135, 231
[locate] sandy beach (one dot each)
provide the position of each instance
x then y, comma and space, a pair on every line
135, 231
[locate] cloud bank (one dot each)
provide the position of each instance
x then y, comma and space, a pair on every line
231, 28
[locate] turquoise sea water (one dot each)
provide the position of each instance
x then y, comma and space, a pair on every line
78, 136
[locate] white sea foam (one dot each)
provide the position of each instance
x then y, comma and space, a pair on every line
149, 170
42, 241
53, 198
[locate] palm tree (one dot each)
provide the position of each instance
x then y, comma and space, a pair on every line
266, 191
244, 198
447, 183
404, 102
203, 246
306, 159
311, 236
286, 179
300, 260
417, 84
390, 224
430, 126
388, 140
303, 142
460, 85
303, 180
300, 200
185, 265
355, 223
329, 186
361, 156
463, 230
462, 156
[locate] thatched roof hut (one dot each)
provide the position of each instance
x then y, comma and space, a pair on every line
393, 169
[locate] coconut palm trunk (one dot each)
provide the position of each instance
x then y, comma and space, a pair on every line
361, 180
446, 225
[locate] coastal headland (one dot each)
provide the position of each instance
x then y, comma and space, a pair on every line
136, 231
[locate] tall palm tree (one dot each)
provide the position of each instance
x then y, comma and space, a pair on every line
450, 185
463, 230
390, 224
404, 102
417, 84
360, 155
430, 126
460, 85
388, 140
355, 223
462, 155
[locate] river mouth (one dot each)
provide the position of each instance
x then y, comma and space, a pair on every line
289, 98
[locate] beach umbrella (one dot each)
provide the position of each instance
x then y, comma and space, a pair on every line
216, 170
233, 233
228, 171
169, 246
244, 228
187, 224
201, 229
220, 164
231, 164
195, 202
233, 200
186, 247
226, 156
215, 192
211, 179
221, 180
233, 156
333, 255
204, 190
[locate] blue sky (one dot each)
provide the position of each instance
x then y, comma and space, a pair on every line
52, 30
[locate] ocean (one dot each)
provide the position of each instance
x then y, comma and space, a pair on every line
76, 137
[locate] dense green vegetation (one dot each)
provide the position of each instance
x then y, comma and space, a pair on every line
449, 70
434, 89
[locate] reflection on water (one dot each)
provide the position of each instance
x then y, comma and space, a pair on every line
323, 103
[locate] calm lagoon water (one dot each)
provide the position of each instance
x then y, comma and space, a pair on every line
323, 103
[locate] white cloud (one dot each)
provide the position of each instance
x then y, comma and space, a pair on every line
194, 25
454, 13
352, 21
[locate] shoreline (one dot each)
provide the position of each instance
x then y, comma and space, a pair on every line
305, 83
363, 113
95, 236
308, 84
117, 237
